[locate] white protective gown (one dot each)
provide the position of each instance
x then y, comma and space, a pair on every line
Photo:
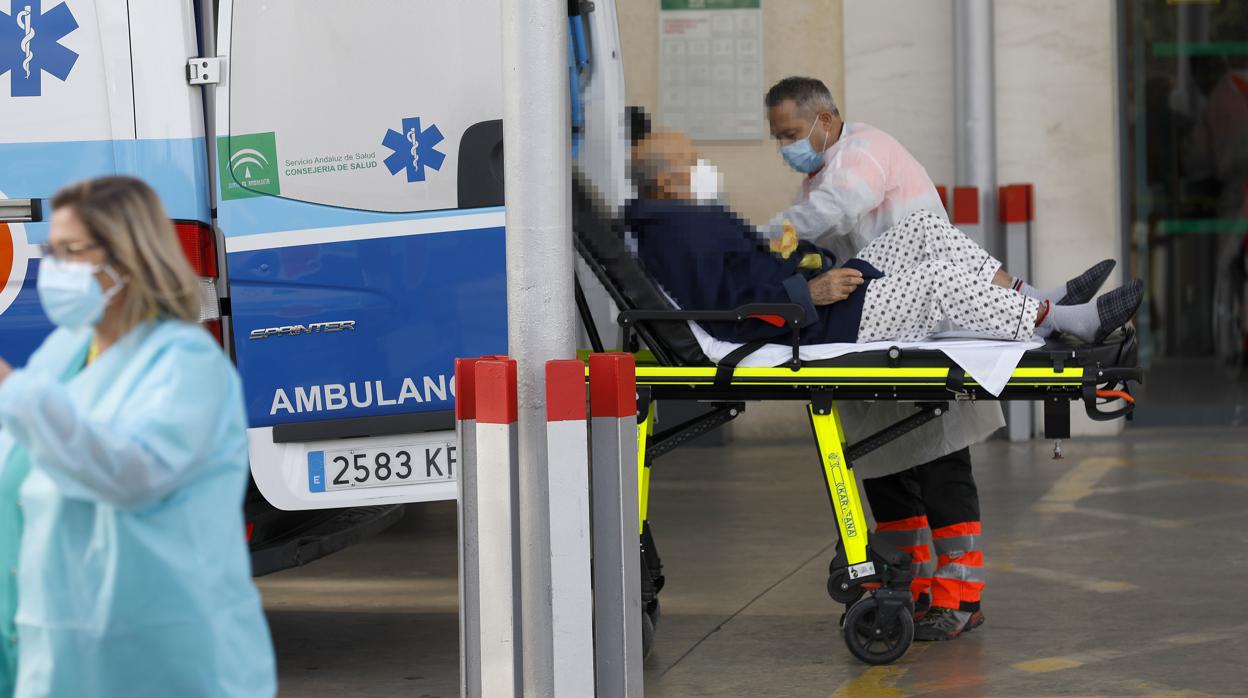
868, 184
134, 577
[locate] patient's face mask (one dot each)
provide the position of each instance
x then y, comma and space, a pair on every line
704, 182
802, 156
71, 295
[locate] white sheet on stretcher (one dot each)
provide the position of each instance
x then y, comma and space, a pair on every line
989, 361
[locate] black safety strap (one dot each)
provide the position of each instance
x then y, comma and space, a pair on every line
727, 365
955, 381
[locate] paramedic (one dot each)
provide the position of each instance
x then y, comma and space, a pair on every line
127, 435
859, 182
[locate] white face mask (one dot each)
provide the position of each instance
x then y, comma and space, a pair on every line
705, 182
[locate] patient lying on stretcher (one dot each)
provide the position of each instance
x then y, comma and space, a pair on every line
920, 277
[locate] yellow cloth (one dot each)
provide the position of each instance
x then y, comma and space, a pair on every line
787, 243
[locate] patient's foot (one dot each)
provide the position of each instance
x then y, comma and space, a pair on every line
1092, 322
1084, 287
1080, 289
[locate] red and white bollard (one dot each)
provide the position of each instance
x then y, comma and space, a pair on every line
1015, 202
469, 563
617, 552
489, 525
965, 216
571, 590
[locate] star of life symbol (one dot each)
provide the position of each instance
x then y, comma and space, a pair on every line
30, 45
414, 149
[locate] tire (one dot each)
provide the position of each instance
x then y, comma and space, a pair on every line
873, 645
647, 635
842, 590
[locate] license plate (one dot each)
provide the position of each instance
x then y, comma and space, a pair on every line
352, 468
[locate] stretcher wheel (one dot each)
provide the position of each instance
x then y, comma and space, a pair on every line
872, 641
841, 589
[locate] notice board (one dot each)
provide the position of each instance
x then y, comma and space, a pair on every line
711, 68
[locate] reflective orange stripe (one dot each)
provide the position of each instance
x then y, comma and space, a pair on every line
918, 553
949, 593
910, 524
969, 528
970, 558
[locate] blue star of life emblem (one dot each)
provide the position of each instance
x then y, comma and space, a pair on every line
30, 45
414, 149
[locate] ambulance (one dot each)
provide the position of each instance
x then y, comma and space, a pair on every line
334, 173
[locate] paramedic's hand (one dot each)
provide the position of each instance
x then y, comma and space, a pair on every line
834, 285
5, 369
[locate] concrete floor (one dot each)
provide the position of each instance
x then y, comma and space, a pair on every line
1117, 571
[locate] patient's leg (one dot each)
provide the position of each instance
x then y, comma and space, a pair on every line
909, 305
923, 236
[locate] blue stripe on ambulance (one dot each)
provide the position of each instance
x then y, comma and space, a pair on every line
417, 301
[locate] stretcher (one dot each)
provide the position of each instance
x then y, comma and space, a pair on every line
870, 578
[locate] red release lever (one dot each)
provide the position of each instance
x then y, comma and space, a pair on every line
774, 320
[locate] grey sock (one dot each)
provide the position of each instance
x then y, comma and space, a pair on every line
1080, 320
1053, 295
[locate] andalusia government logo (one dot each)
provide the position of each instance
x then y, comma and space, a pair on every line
30, 45
14, 255
248, 165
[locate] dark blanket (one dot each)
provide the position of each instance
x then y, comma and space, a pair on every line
707, 258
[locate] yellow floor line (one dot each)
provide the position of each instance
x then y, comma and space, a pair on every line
1045, 665
876, 682
1077, 484
1100, 586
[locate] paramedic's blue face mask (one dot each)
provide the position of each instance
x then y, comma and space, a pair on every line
71, 295
802, 156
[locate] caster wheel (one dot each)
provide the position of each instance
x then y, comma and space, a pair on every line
872, 643
841, 589
647, 635
654, 610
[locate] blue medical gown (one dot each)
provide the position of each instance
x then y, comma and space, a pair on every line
134, 577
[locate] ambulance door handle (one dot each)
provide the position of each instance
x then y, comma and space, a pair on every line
20, 211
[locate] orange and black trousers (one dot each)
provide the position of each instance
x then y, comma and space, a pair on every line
932, 512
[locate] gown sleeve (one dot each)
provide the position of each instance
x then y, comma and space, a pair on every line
159, 439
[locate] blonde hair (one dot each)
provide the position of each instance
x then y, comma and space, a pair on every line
126, 217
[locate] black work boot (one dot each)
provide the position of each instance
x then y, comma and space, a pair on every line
946, 624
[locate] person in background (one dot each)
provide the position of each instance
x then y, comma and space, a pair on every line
859, 183
126, 433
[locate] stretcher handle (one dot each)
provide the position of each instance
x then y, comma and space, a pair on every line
778, 315
1091, 393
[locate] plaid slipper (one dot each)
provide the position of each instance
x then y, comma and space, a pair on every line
1083, 288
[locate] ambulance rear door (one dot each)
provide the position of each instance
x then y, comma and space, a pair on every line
71, 108
360, 196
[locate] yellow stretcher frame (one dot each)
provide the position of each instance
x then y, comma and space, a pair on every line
886, 383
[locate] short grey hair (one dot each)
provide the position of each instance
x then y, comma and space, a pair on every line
645, 169
811, 96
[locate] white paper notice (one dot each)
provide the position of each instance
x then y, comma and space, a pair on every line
711, 68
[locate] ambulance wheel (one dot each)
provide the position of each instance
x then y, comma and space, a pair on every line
872, 642
841, 589
647, 635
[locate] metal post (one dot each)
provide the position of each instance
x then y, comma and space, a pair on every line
975, 126
617, 551
1016, 217
494, 478
572, 596
469, 561
540, 309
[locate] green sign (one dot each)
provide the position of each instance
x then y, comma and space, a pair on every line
248, 165
711, 4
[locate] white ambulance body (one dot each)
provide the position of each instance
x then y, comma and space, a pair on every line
335, 172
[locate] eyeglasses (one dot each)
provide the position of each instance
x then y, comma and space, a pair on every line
68, 252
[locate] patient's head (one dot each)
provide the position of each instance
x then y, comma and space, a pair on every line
662, 166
